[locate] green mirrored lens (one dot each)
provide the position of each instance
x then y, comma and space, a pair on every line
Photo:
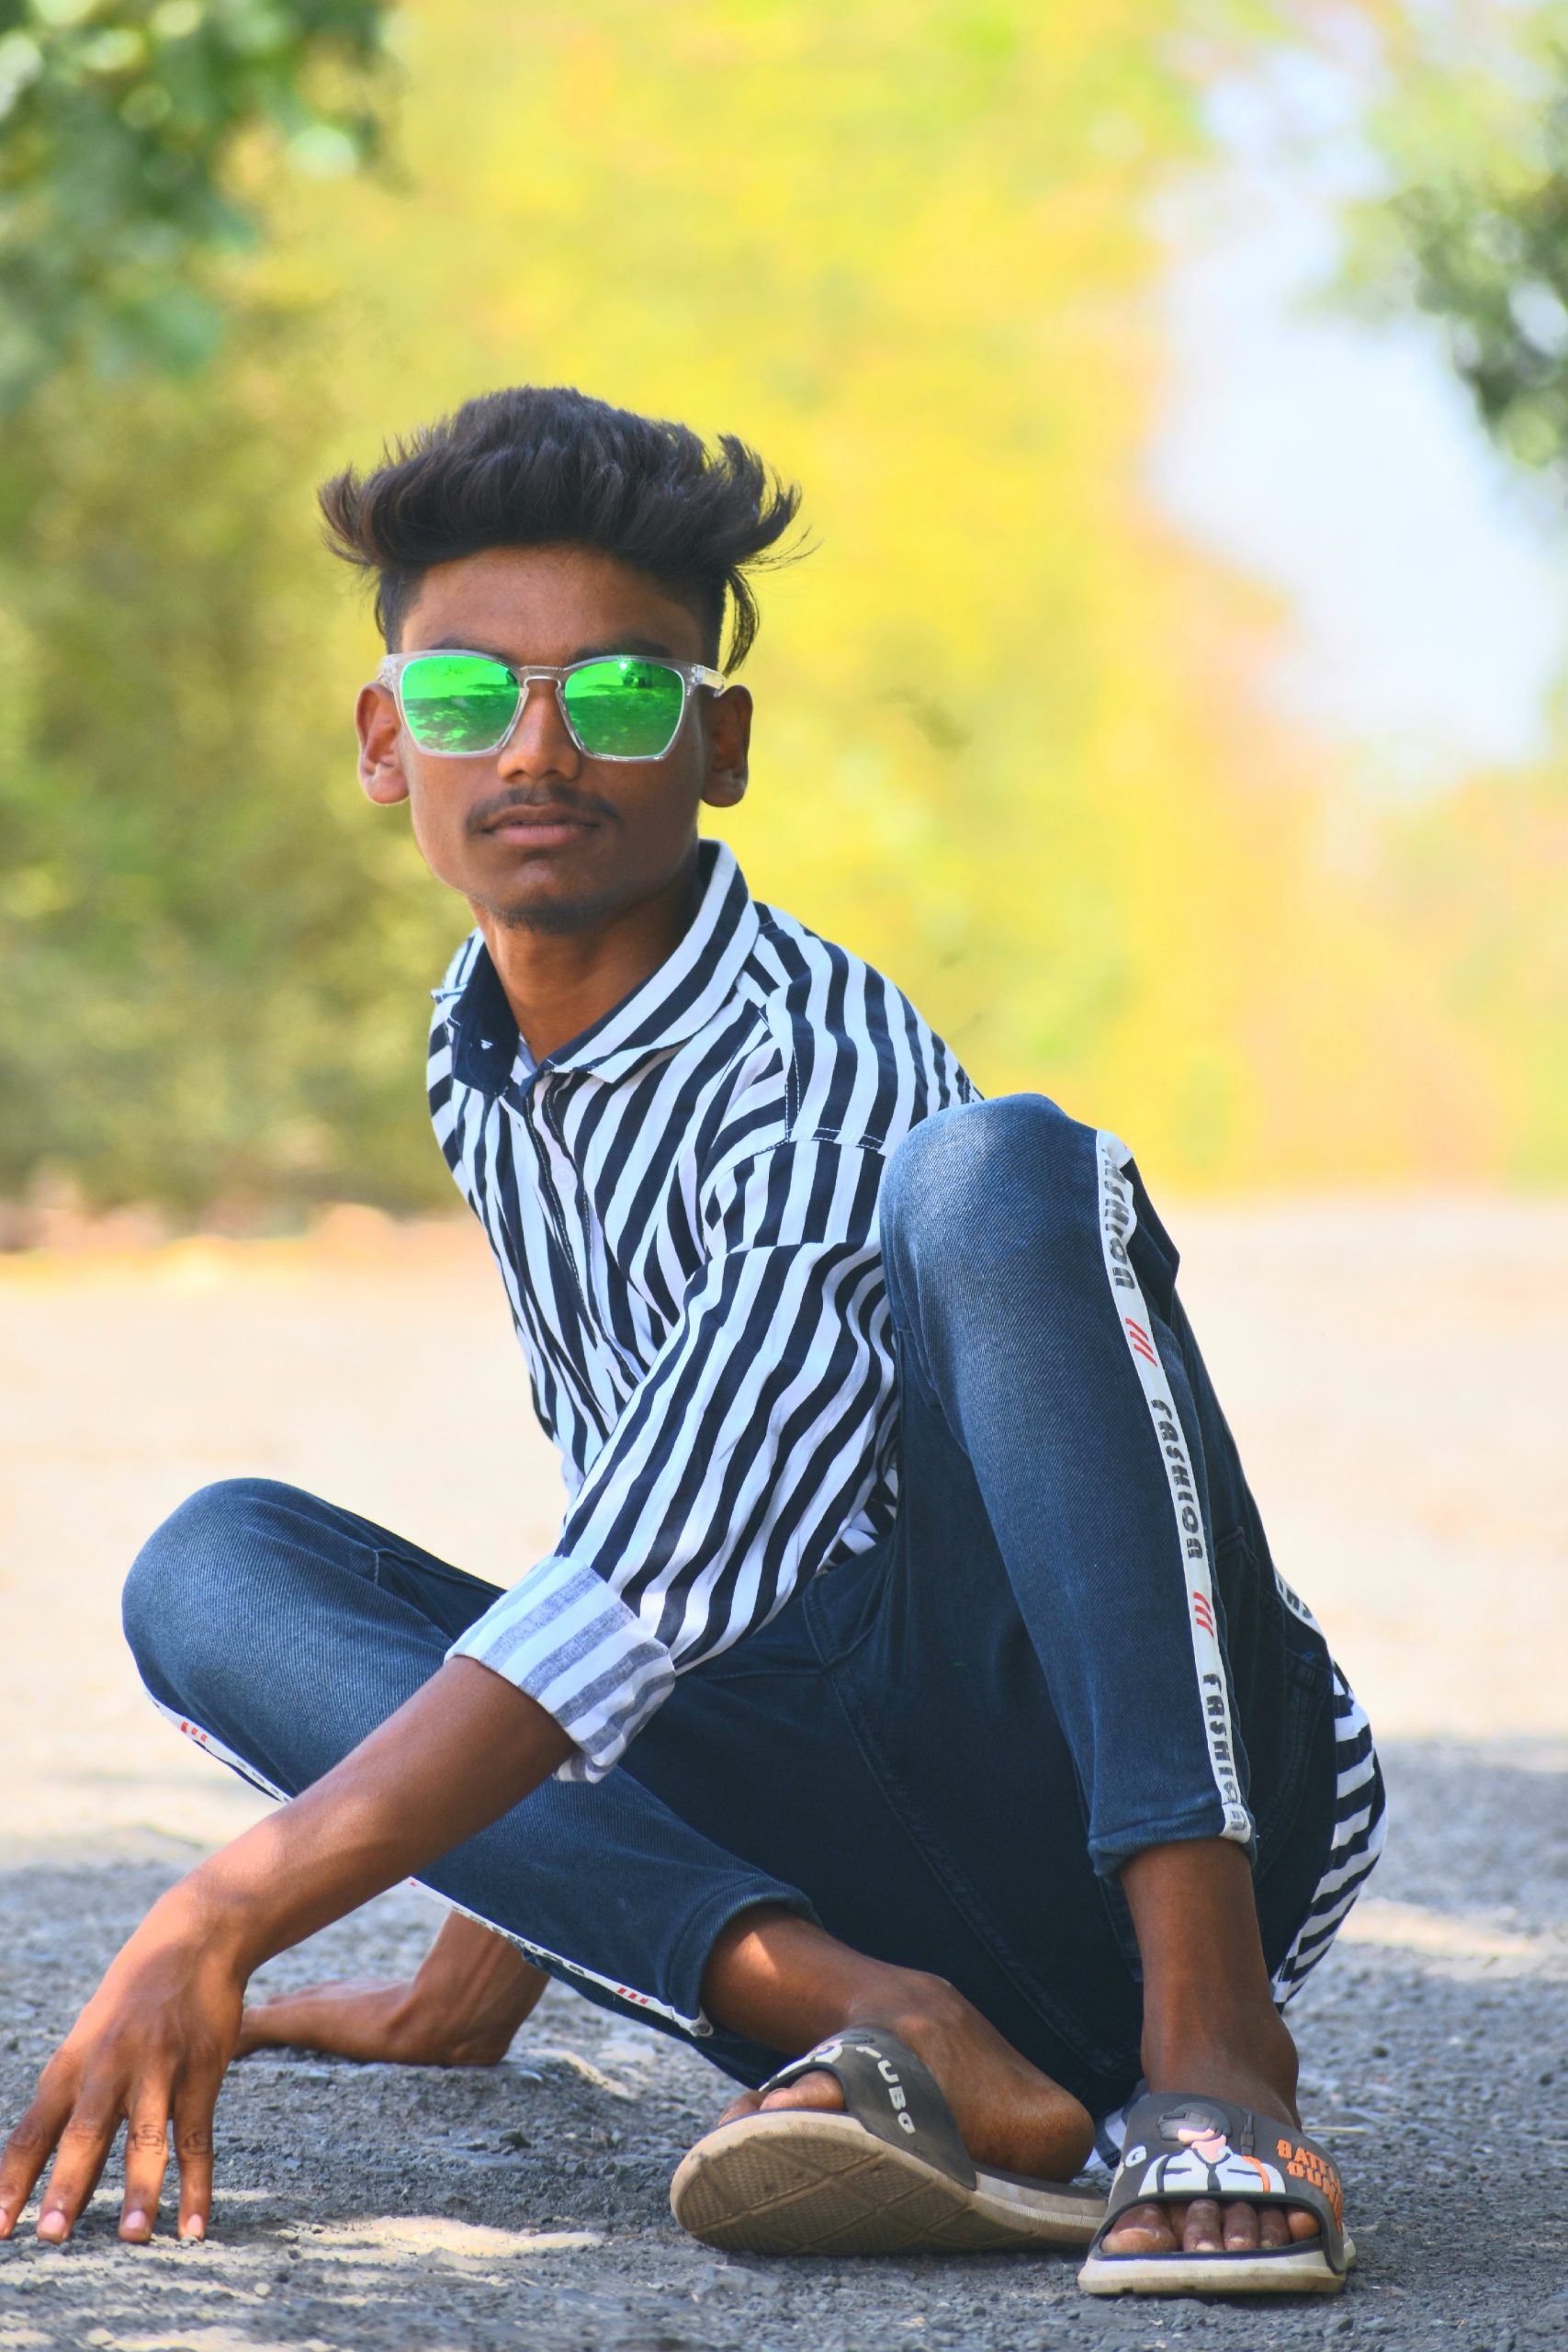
624, 709
458, 702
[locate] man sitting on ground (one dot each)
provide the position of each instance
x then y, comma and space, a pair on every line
910, 1694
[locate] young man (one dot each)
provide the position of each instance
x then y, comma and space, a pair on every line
910, 1691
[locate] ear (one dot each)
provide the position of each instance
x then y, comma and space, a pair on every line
727, 728
380, 747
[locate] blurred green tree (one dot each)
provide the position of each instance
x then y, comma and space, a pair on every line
197, 951
1011, 745
119, 131
1473, 226
206, 949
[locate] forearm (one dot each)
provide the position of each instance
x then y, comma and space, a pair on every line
462, 1751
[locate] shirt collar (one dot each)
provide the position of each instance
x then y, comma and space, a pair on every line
671, 1005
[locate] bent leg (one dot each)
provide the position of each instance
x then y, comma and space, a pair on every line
1034, 1308
281, 1630
1032, 1293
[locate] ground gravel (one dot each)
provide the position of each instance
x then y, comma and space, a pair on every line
526, 2204
1392, 1369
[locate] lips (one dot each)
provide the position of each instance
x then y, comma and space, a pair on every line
539, 828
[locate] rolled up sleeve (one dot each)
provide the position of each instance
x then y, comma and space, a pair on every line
752, 1443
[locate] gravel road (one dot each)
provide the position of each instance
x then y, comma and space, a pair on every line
1408, 1454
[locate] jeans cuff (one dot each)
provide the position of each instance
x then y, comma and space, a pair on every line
1110, 1850
689, 1959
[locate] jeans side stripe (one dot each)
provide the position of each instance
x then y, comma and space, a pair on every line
1118, 1222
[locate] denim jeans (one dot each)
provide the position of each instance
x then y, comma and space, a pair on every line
942, 1751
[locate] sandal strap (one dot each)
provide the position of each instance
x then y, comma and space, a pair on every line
1187, 2145
890, 2093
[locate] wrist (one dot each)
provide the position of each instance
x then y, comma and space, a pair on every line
227, 1922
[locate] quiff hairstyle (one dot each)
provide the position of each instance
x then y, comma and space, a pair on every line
537, 466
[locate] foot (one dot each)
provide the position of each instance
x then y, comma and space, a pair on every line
1010, 2115
462, 2009
1210, 2025
1261, 2075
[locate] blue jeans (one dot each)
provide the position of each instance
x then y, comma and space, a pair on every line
1072, 1646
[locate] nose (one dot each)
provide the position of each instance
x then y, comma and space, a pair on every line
540, 745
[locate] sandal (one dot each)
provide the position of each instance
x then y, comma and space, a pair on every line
1181, 2145
888, 2175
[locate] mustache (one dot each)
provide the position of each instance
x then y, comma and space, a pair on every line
573, 804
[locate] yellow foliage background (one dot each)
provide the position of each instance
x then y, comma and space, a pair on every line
1010, 743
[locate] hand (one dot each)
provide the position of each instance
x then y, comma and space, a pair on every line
150, 2049
153, 2045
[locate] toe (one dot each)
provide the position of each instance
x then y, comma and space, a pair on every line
1202, 2233
1143, 2229
1301, 2224
747, 2104
815, 2090
1242, 2226
1273, 2227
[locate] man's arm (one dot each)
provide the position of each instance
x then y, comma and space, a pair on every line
153, 2044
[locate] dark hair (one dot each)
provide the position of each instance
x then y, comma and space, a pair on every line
536, 465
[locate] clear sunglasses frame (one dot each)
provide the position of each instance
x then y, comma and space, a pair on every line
691, 673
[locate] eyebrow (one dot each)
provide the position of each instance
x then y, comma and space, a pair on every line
631, 644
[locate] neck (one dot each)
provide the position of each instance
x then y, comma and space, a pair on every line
559, 983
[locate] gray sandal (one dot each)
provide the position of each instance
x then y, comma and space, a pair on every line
888, 2175
1185, 2146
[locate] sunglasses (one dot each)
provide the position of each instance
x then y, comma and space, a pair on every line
615, 706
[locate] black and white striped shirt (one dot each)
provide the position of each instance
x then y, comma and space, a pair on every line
682, 1203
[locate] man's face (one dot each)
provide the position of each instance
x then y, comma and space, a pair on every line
537, 833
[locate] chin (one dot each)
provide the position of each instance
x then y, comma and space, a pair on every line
553, 911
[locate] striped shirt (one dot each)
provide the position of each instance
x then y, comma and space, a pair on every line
682, 1202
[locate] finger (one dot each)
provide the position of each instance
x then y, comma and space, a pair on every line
1201, 2232
28, 2151
193, 2153
81, 2154
1240, 2229
146, 2160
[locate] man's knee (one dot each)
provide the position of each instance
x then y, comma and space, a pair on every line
187, 1579
966, 1181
